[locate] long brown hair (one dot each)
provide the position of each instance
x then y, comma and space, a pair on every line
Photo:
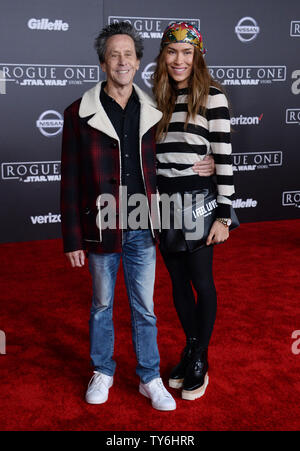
165, 91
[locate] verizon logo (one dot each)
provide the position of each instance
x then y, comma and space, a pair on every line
246, 120
45, 219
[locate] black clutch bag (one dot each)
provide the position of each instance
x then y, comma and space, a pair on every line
192, 214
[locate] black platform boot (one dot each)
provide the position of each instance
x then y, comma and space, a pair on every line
196, 376
178, 373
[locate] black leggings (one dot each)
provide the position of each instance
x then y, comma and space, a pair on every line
189, 270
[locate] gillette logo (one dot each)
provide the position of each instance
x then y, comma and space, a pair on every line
46, 25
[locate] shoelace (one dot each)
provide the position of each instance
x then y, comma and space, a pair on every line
97, 379
161, 386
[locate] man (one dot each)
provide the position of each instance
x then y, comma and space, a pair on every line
108, 144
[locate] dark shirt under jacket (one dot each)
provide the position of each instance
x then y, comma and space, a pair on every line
126, 123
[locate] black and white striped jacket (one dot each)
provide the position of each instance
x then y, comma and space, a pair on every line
179, 149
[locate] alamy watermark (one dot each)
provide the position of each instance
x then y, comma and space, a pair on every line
2, 83
295, 348
166, 211
2, 342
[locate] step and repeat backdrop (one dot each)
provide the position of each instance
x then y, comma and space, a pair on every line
47, 61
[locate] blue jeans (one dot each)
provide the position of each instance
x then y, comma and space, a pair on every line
138, 258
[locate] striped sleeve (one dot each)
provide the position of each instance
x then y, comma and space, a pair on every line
220, 142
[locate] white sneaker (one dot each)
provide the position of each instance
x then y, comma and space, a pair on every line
97, 391
160, 397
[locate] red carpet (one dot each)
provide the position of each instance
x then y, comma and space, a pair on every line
254, 375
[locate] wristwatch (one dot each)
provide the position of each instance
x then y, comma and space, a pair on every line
225, 221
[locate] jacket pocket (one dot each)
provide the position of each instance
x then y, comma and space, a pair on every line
89, 222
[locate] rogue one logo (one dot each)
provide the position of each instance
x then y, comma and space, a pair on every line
251, 161
47, 25
50, 123
247, 29
295, 28
31, 171
48, 75
151, 27
291, 198
292, 116
248, 75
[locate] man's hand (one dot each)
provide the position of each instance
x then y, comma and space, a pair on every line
218, 233
76, 258
205, 167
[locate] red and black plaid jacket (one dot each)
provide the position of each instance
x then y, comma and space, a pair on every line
90, 166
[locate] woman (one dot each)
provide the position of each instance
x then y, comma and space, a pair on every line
195, 123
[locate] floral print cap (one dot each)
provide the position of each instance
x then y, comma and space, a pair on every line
183, 32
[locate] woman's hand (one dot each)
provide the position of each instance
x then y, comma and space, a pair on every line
205, 167
218, 233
